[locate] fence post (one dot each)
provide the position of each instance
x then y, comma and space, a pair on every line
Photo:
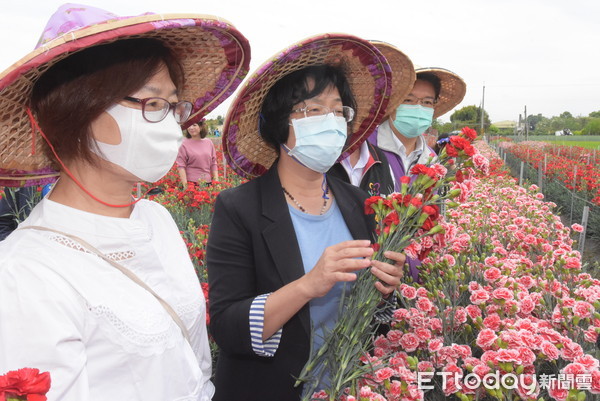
521, 173
573, 194
540, 176
139, 190
504, 157
584, 222
545, 163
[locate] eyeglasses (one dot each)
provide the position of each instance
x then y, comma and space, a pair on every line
313, 109
427, 101
155, 109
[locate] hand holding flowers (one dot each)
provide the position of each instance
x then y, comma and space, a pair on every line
402, 219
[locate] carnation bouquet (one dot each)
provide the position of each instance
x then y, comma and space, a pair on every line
407, 221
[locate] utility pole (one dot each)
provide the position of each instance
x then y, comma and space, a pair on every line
526, 126
482, 105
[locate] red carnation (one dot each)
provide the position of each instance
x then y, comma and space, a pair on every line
451, 151
401, 199
421, 169
391, 218
469, 133
405, 180
373, 200
26, 382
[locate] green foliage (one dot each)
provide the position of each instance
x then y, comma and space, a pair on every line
493, 129
547, 126
566, 114
595, 114
470, 116
534, 120
592, 127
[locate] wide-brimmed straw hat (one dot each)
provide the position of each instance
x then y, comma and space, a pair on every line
452, 91
368, 74
403, 74
214, 55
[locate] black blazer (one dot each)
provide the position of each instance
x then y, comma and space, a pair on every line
252, 250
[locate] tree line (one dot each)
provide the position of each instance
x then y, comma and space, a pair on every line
538, 124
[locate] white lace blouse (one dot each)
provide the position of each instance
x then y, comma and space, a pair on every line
100, 335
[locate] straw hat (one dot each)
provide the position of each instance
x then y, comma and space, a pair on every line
452, 91
368, 74
403, 74
214, 55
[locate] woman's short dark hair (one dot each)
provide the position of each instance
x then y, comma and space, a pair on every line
203, 130
433, 80
71, 94
293, 89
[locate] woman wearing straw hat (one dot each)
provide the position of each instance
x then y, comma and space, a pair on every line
368, 167
282, 246
95, 288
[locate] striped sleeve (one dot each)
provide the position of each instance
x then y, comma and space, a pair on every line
257, 318
385, 313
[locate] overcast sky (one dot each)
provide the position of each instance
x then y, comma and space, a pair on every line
542, 54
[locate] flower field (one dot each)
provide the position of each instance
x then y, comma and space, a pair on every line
505, 309
506, 300
504, 296
576, 167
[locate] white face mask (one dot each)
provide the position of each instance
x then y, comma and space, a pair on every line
147, 150
319, 141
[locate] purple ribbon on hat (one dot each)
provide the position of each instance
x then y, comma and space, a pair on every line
70, 17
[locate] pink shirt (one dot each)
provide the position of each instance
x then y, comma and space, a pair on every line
199, 159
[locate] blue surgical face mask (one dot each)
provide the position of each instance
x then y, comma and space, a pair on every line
413, 119
319, 141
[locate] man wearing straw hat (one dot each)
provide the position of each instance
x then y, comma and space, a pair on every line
435, 92
97, 288
368, 166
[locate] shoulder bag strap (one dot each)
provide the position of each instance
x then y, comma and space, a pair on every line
123, 270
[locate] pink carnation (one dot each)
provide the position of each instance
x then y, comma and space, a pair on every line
423, 333
486, 338
479, 297
409, 342
435, 345
573, 263
527, 305
508, 355
383, 374
491, 274
549, 350
449, 259
577, 228
492, 322
571, 350
424, 304
503, 293
583, 309
408, 292
473, 311
595, 382
425, 366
